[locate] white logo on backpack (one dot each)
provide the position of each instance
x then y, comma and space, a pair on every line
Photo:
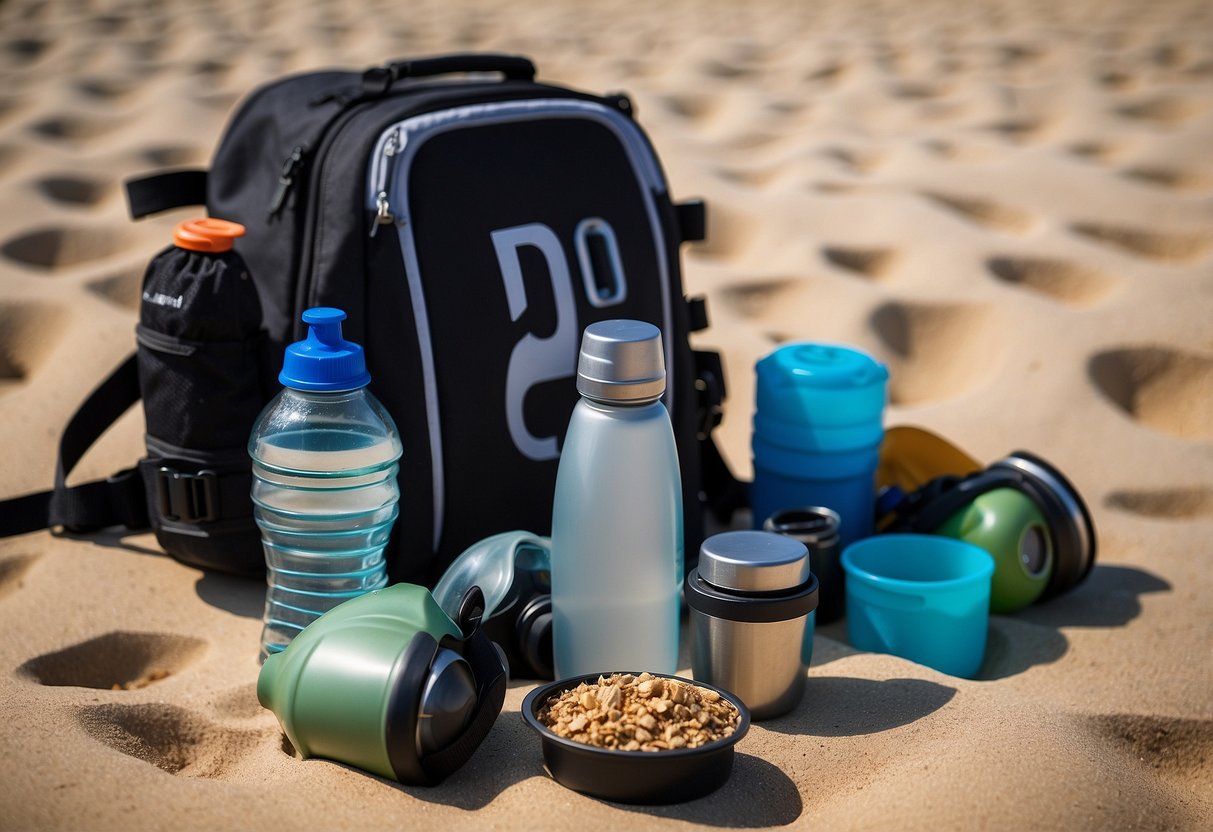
535, 360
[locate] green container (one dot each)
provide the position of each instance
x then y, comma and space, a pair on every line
354, 684
1008, 525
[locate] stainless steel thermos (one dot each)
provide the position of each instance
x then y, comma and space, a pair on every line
753, 602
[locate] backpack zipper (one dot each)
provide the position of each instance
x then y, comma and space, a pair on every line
291, 167
383, 206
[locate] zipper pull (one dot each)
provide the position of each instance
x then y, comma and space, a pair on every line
383, 212
285, 179
383, 208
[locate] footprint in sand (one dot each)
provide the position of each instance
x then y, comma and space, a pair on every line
1016, 55
1169, 55
1167, 111
756, 299
1021, 130
960, 152
109, 90
28, 331
25, 50
12, 573
694, 108
1102, 152
858, 161
1164, 503
1115, 79
1061, 280
119, 660
750, 177
212, 70
146, 52
985, 213
61, 247
924, 363
72, 191
873, 263
1166, 389
171, 738
837, 188
122, 289
917, 90
170, 155
75, 128
109, 24
726, 71
1174, 179
1176, 247
830, 72
1174, 748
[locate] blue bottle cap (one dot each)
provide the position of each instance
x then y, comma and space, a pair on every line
324, 362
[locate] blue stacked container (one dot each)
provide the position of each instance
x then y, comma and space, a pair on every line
817, 433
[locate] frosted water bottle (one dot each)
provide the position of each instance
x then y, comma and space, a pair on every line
617, 516
325, 496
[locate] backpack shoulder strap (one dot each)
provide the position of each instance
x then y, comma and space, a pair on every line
119, 499
147, 195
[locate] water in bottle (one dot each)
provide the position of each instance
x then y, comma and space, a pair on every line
324, 494
617, 516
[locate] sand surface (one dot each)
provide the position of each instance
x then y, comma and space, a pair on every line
1011, 204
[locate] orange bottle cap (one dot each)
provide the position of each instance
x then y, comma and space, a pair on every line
207, 234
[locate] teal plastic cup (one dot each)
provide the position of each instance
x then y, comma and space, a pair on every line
922, 597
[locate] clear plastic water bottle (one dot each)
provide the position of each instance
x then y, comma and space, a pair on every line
617, 518
325, 496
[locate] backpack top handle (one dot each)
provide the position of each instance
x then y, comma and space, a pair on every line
378, 80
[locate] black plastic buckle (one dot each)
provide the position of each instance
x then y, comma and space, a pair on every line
376, 81
187, 498
709, 392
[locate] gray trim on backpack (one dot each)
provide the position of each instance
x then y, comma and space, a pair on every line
410, 134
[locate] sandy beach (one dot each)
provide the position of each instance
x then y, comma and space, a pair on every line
1009, 204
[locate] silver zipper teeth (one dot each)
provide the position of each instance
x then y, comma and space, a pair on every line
395, 138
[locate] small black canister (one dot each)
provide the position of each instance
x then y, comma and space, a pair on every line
817, 528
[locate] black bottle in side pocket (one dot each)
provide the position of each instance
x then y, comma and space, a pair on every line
200, 356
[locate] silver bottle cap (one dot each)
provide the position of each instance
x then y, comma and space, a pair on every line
621, 361
753, 561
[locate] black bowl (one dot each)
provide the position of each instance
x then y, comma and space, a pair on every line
642, 777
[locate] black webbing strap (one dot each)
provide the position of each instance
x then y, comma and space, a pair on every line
93, 505
723, 492
146, 195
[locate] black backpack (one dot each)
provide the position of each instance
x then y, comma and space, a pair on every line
471, 228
